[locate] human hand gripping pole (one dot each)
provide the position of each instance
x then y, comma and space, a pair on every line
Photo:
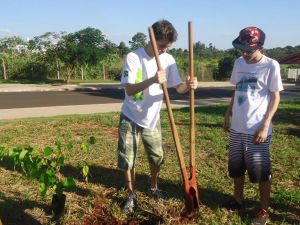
190, 184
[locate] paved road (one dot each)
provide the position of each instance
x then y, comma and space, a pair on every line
109, 95
109, 99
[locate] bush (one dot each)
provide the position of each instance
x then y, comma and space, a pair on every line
225, 66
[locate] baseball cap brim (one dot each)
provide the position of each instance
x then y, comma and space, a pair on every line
243, 46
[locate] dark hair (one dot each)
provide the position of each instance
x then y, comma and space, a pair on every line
164, 30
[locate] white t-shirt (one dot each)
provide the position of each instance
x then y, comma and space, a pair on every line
144, 107
254, 84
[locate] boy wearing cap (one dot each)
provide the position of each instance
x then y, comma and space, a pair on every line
258, 83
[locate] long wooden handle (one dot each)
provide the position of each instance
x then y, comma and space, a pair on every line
169, 108
192, 96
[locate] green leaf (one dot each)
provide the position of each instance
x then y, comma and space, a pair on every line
43, 188
84, 148
42, 177
44, 162
29, 148
49, 178
22, 154
2, 152
58, 145
60, 161
69, 184
53, 164
58, 188
92, 140
69, 146
33, 172
48, 151
85, 170
14, 152
50, 172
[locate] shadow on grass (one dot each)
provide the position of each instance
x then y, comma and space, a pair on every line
12, 210
218, 110
211, 198
288, 214
203, 125
7, 163
284, 115
289, 117
110, 177
288, 114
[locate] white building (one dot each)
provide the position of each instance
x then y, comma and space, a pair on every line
293, 74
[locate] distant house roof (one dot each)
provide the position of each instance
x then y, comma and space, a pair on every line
290, 59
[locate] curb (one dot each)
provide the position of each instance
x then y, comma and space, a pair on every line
6, 88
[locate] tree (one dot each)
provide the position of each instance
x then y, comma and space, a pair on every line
225, 64
81, 48
46, 45
138, 41
276, 53
199, 48
123, 49
8, 46
45, 41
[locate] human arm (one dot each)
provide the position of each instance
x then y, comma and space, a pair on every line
187, 85
228, 113
262, 132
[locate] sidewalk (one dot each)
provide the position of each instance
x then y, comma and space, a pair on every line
81, 87
20, 113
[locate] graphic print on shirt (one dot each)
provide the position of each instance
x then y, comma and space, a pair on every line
247, 84
138, 79
125, 74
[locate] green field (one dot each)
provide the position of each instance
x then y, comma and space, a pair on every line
100, 198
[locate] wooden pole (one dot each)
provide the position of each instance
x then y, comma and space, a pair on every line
192, 97
169, 108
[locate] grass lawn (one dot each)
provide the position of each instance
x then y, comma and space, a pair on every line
100, 199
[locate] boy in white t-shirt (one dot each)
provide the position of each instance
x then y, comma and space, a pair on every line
258, 83
140, 114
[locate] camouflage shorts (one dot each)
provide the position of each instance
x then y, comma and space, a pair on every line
129, 133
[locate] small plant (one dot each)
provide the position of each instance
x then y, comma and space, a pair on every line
50, 177
46, 168
26, 159
85, 148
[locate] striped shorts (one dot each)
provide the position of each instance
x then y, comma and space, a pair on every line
129, 135
246, 155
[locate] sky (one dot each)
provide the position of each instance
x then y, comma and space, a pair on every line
214, 21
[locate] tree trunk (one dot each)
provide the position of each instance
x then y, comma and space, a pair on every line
57, 70
69, 74
103, 70
4, 70
82, 75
